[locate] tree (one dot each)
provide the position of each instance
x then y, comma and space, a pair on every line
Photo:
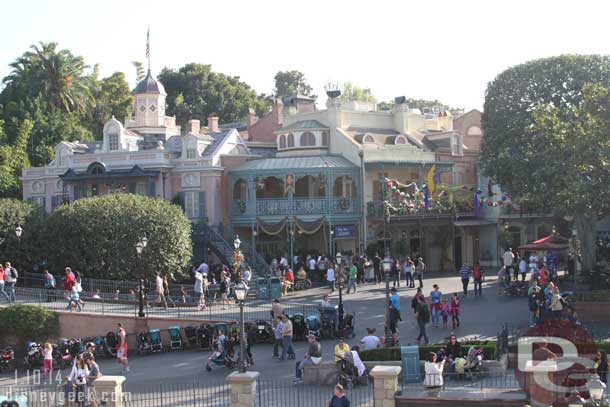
99, 236
351, 92
542, 123
13, 158
291, 83
26, 252
30, 322
139, 70
420, 104
112, 98
195, 91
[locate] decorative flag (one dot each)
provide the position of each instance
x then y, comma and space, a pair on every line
431, 185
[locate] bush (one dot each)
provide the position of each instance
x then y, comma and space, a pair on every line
23, 253
29, 322
98, 237
393, 353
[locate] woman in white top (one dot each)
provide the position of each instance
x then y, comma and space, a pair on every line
78, 378
434, 372
330, 277
79, 287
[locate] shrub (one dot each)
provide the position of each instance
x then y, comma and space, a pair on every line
393, 353
29, 322
23, 253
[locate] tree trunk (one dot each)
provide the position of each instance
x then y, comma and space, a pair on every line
585, 226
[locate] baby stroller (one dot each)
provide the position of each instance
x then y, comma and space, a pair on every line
111, 342
155, 339
33, 355
347, 372
175, 339
330, 321
144, 344
474, 360
299, 327
205, 335
224, 353
313, 326
100, 347
348, 326
224, 328
263, 333
191, 335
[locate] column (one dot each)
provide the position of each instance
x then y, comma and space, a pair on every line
385, 385
109, 390
251, 201
243, 388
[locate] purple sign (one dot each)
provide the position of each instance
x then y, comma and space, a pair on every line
342, 232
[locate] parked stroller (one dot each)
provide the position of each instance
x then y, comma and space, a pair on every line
175, 339
313, 326
155, 339
144, 344
329, 317
224, 353
205, 336
7, 360
100, 347
301, 281
263, 333
67, 350
191, 335
348, 328
33, 355
474, 360
299, 326
112, 341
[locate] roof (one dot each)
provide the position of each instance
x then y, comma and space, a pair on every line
149, 85
295, 163
265, 152
303, 125
218, 139
380, 136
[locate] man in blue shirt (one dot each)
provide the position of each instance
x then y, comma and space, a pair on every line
465, 275
394, 311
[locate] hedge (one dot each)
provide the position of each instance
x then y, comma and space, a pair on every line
393, 353
29, 322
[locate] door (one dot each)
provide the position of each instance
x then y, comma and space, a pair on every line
457, 252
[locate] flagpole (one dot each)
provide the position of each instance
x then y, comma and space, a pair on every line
148, 47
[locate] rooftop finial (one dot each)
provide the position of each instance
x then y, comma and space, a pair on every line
148, 47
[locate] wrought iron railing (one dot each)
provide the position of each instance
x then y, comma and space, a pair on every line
298, 206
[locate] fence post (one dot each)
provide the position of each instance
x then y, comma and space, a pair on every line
385, 385
109, 390
243, 388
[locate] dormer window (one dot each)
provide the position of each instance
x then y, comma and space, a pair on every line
282, 141
191, 150
113, 142
290, 140
400, 140
368, 139
308, 139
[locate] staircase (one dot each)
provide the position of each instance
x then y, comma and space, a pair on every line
256, 261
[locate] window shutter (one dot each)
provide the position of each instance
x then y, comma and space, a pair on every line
54, 200
151, 189
43, 203
202, 205
132, 188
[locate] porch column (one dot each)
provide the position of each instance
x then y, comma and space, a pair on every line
251, 205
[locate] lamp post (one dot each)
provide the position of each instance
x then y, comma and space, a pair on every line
386, 267
291, 233
140, 246
254, 233
18, 231
596, 389
340, 282
241, 292
332, 242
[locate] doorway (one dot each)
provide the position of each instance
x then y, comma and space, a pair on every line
457, 252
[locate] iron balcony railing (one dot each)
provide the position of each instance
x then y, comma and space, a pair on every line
298, 206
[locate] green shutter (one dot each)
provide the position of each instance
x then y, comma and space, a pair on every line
202, 205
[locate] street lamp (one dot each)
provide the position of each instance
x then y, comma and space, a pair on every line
140, 245
596, 389
236, 242
386, 266
18, 231
241, 291
340, 281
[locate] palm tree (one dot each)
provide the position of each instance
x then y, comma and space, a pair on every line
55, 76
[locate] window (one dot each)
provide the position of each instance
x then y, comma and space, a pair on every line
368, 139
325, 138
113, 142
141, 188
308, 139
191, 153
191, 204
400, 140
38, 201
282, 141
290, 140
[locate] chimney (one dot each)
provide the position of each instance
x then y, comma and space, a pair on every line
213, 123
193, 126
251, 117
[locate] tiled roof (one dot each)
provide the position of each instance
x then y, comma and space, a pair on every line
295, 163
218, 138
304, 125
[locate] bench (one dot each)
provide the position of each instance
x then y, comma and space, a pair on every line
323, 374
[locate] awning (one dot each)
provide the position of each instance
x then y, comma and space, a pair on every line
551, 242
474, 222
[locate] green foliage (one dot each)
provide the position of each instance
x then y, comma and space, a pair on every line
23, 254
112, 98
351, 92
14, 157
195, 91
291, 83
419, 104
98, 237
393, 353
29, 322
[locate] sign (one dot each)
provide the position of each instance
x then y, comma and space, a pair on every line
345, 232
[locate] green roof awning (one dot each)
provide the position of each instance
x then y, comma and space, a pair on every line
288, 164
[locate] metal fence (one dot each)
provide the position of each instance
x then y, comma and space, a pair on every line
191, 393
283, 393
468, 381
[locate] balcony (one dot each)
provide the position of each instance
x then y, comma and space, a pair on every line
298, 206
437, 210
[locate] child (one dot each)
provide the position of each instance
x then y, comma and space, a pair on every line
74, 301
47, 354
445, 311
219, 345
455, 310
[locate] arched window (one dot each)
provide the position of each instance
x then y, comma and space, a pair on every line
325, 138
308, 139
474, 131
282, 141
400, 140
368, 139
290, 140
113, 141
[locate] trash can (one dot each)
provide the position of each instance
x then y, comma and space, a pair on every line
275, 287
410, 364
262, 288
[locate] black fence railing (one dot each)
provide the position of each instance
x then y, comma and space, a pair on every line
35, 395
190, 393
282, 393
466, 381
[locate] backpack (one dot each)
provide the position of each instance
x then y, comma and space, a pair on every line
14, 273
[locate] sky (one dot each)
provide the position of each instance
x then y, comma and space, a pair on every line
445, 50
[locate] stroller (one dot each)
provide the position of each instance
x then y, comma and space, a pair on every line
330, 321
112, 341
224, 328
263, 333
175, 339
155, 339
313, 326
100, 347
348, 328
474, 360
347, 372
205, 335
299, 327
224, 353
33, 355
7, 360
144, 344
191, 335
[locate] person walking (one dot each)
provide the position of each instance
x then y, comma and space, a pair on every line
556, 305
330, 277
10, 280
396, 273
312, 357
198, 287
435, 305
416, 299
523, 268
122, 350
94, 373
159, 289
277, 333
78, 378
47, 360
408, 270
508, 258
78, 285
422, 315
2, 279
287, 348
516, 261
339, 399
69, 281
166, 292
277, 310
455, 311
352, 278
477, 275
394, 314
49, 285
377, 268
420, 269
465, 276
